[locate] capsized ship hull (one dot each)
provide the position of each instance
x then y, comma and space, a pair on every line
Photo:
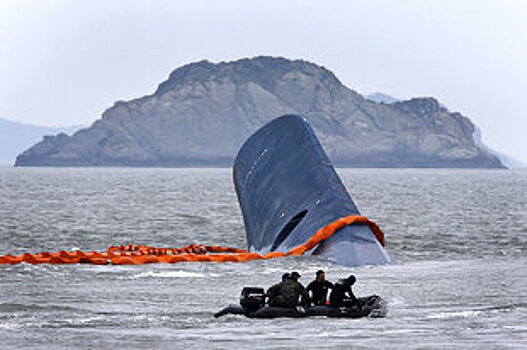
288, 189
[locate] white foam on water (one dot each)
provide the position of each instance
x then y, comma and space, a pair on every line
401, 331
173, 274
87, 320
398, 302
455, 314
9, 325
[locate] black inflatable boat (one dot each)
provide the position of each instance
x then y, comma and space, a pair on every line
252, 305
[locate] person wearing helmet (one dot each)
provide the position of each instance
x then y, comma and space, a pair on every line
342, 295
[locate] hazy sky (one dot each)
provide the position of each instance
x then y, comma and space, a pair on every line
65, 62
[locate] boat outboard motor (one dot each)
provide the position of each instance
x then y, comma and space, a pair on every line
252, 299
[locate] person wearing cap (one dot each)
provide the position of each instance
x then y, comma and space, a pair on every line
342, 295
287, 293
297, 291
319, 288
274, 291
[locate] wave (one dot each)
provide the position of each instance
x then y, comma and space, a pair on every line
15, 307
475, 313
173, 274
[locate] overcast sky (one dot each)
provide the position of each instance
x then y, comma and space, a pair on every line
65, 62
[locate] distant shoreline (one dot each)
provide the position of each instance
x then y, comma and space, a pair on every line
230, 168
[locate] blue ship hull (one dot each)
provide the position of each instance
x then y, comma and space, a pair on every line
288, 190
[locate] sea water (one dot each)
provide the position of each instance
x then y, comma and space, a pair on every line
458, 239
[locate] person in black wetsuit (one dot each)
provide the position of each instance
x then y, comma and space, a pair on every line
319, 289
342, 295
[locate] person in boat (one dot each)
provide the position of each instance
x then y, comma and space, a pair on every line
286, 293
299, 291
274, 291
342, 295
319, 289
285, 276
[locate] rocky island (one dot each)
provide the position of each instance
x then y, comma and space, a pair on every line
203, 113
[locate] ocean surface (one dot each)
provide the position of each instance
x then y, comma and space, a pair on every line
458, 239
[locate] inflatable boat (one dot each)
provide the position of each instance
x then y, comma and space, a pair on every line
288, 189
252, 305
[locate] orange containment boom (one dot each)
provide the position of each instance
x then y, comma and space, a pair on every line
140, 254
